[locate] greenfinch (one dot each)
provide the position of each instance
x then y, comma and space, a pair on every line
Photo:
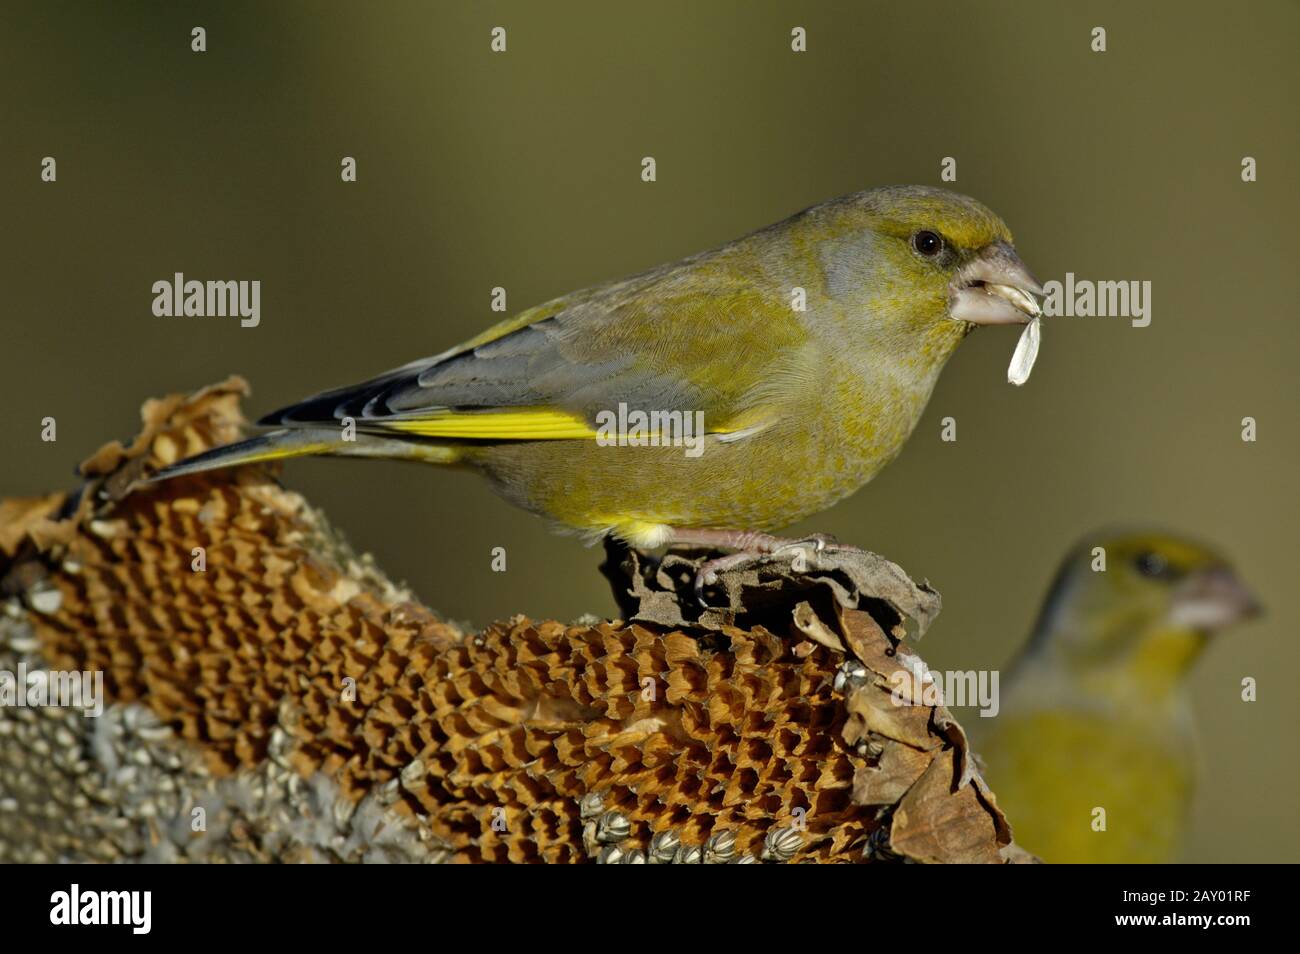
1092, 753
706, 401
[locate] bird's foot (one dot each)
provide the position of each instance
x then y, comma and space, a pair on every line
751, 547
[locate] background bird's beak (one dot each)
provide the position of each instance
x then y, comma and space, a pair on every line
994, 288
1211, 599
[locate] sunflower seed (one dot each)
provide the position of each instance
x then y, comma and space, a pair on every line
1026, 353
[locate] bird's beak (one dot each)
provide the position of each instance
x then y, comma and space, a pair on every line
1211, 599
994, 288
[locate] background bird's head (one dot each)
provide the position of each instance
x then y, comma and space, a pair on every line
921, 260
1130, 612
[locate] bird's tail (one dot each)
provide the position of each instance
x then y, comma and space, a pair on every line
307, 442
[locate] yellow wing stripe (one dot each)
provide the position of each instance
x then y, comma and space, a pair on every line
534, 424
281, 453
530, 424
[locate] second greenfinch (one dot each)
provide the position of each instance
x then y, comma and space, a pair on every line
1092, 753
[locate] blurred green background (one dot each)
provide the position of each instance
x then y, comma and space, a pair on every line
522, 170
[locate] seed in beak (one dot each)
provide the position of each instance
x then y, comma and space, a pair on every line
1021, 299
1026, 353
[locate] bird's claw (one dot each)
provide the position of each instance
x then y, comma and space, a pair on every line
797, 552
708, 572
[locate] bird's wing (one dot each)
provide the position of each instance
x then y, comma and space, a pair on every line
666, 341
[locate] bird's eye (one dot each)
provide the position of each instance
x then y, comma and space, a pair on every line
927, 243
1151, 565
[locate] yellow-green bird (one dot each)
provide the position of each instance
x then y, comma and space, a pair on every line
807, 349
1092, 754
